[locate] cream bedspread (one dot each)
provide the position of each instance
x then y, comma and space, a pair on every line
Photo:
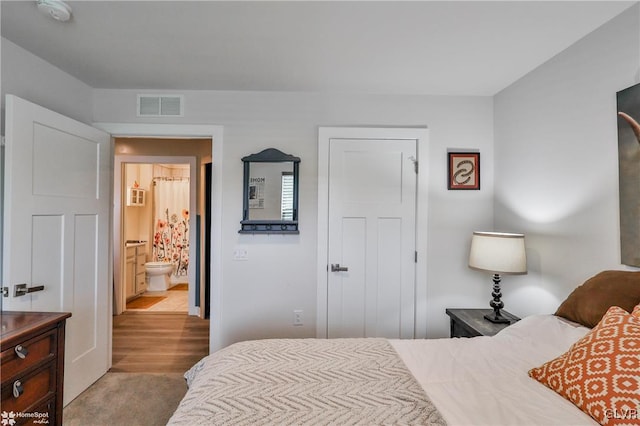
478, 381
304, 381
483, 381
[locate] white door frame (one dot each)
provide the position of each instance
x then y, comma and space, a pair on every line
420, 135
192, 131
118, 228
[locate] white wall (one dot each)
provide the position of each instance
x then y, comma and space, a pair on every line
259, 295
556, 176
31, 78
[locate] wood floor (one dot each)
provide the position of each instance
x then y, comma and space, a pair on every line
158, 343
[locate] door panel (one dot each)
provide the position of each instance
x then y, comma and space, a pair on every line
372, 203
85, 292
389, 272
56, 222
347, 313
47, 265
372, 177
76, 175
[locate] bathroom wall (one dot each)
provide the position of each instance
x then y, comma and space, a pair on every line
137, 219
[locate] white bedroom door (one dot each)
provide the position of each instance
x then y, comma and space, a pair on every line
56, 231
371, 241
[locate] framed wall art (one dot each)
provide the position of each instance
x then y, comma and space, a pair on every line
628, 109
463, 170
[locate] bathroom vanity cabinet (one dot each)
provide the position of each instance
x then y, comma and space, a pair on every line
135, 276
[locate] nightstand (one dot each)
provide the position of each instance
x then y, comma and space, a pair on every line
471, 322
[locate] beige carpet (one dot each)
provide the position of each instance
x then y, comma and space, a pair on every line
144, 399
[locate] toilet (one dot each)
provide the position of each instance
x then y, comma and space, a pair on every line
158, 275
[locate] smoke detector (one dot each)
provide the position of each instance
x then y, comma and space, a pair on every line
57, 9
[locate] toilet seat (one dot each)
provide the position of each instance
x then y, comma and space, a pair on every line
157, 264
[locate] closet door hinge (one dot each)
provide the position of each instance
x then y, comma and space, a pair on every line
415, 163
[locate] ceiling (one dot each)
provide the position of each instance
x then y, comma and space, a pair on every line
388, 47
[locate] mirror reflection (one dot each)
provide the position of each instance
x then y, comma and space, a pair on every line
271, 191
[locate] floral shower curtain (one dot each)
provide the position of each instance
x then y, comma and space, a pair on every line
171, 234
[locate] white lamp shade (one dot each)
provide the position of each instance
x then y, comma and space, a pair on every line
498, 253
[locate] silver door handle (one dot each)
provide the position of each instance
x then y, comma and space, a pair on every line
22, 289
335, 267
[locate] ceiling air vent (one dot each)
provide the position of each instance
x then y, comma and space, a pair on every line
160, 106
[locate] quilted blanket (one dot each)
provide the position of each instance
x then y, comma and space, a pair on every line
304, 381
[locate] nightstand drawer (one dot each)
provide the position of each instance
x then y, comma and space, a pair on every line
461, 330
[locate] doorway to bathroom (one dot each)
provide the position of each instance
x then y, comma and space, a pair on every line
156, 228
160, 237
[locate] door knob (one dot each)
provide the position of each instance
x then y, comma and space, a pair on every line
335, 267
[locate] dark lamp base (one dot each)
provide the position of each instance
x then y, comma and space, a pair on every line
496, 319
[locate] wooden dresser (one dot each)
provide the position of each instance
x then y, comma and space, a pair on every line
32, 367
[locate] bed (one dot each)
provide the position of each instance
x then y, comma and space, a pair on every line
462, 381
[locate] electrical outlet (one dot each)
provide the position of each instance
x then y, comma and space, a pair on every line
240, 254
297, 316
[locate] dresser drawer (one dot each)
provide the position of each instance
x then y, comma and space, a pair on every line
40, 349
38, 386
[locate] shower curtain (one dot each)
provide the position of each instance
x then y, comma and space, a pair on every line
171, 234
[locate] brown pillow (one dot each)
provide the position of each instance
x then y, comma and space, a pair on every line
588, 303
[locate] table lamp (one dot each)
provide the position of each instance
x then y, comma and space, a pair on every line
498, 253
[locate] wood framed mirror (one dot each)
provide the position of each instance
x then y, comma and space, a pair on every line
270, 193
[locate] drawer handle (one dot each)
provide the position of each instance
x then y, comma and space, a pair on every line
18, 389
21, 351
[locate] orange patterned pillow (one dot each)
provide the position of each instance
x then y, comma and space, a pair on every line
600, 373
